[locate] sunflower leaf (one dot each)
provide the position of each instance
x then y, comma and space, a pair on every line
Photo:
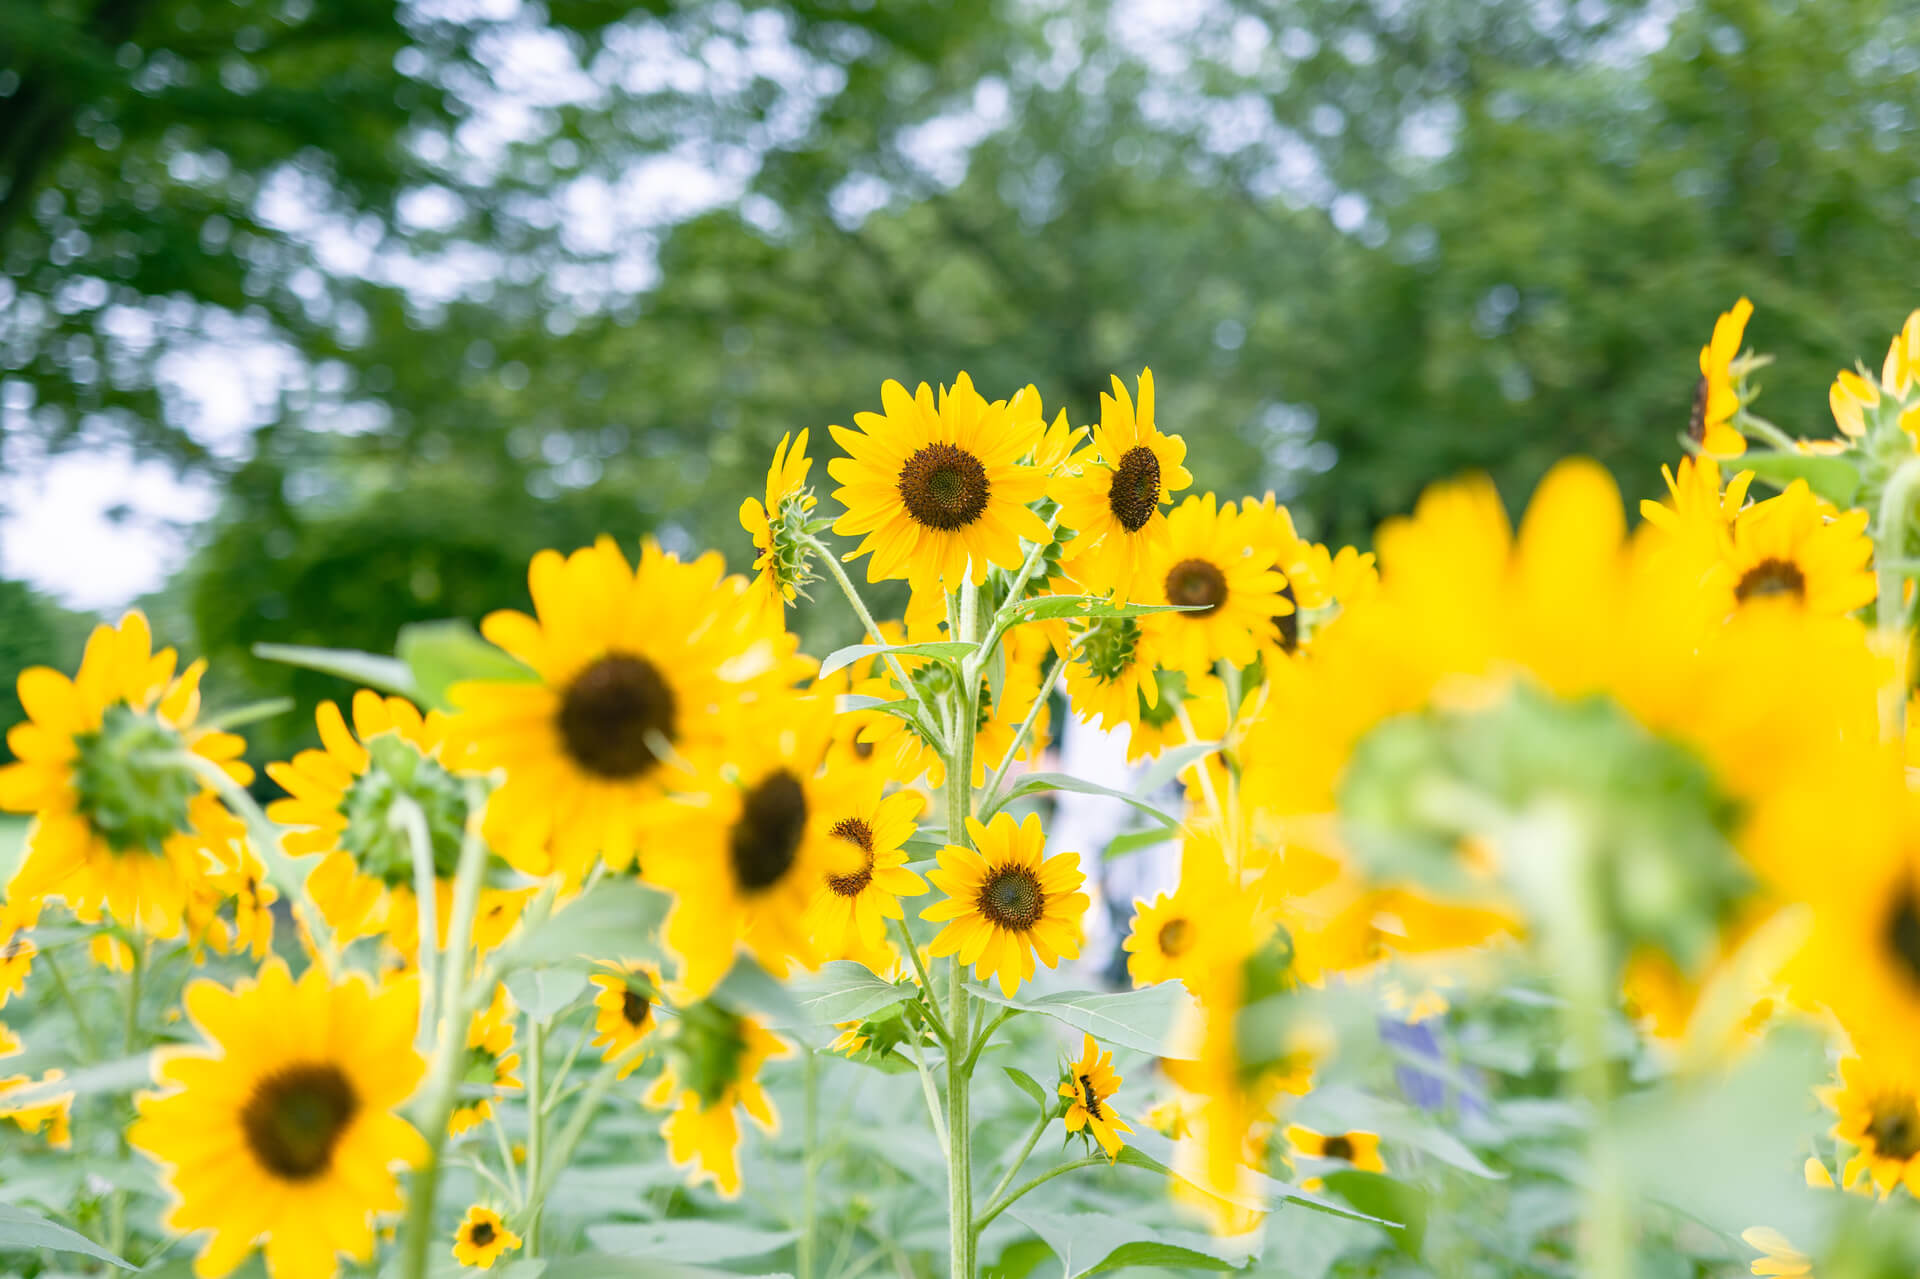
1029, 1085
1037, 783
370, 669
688, 1240
543, 992
1048, 608
25, 1231
441, 654
1829, 476
615, 919
949, 651
1133, 841
1146, 1148
1089, 1242
1138, 1019
1172, 763
844, 991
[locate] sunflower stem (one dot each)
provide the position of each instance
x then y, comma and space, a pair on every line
810, 1158
932, 1095
995, 1209
1890, 606
89, 1044
990, 796
960, 1233
562, 1147
1019, 1160
986, 1035
927, 996
871, 627
409, 818
536, 1124
129, 1039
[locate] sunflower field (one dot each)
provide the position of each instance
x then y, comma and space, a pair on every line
1547, 896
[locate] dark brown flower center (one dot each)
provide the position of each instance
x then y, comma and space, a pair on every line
1198, 584
635, 1007
1287, 625
765, 838
1697, 419
1175, 936
295, 1118
614, 714
1090, 1098
1338, 1148
860, 835
1895, 1127
1012, 898
1902, 935
944, 487
481, 1235
1135, 493
1771, 577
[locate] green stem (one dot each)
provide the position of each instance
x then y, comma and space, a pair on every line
989, 798
1890, 608
410, 818
871, 627
959, 1120
1020, 1160
505, 1148
561, 1075
927, 998
1755, 425
995, 1209
981, 1040
88, 1042
931, 1093
536, 1123
129, 1041
810, 1158
562, 1148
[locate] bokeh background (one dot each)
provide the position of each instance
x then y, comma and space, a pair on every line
318, 317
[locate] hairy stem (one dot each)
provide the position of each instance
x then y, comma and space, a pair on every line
1890, 607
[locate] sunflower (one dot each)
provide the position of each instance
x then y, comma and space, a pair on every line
341, 805
285, 1126
1006, 901
908, 757
491, 1062
53, 1115
713, 1064
1778, 1255
1795, 547
639, 671
1110, 671
1111, 494
779, 558
1878, 1104
850, 907
1157, 724
481, 1238
1229, 587
1161, 946
627, 1012
1716, 398
1089, 1086
234, 883
16, 961
939, 492
1359, 1150
121, 821
1697, 519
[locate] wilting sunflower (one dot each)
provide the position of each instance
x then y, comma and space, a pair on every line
1878, 1104
1797, 548
1111, 494
1716, 398
491, 1061
51, 1115
120, 819
779, 558
638, 671
341, 805
939, 492
1007, 901
1356, 1149
713, 1064
1229, 586
1089, 1088
626, 1013
283, 1128
851, 906
481, 1237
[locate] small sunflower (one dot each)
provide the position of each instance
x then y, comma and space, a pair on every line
16, 961
1161, 946
1112, 492
1878, 1102
1229, 586
51, 1115
1006, 901
639, 671
780, 558
121, 821
851, 906
627, 1013
1357, 1149
1156, 725
713, 1065
284, 1127
481, 1238
1697, 519
491, 1061
1110, 671
234, 885
939, 492
1795, 547
1089, 1087
1716, 397
1778, 1256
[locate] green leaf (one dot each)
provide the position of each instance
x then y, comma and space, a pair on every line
1133, 841
683, 1240
120, 1076
1046, 608
616, 919
368, 669
939, 650
748, 987
1139, 1019
1146, 1148
1171, 764
441, 654
1089, 1242
1029, 1085
1149, 1252
1387, 1198
599, 1265
1039, 783
25, 1231
1339, 1108
844, 991
250, 713
544, 992
1832, 477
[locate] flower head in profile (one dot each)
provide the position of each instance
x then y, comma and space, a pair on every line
1089, 1087
1112, 493
626, 1013
937, 490
713, 1067
1716, 397
481, 1238
779, 527
1359, 1150
1007, 901
1859, 401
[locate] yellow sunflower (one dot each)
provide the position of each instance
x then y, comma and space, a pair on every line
341, 803
713, 1065
52, 1115
284, 1127
1110, 671
1878, 1102
1006, 901
1697, 519
1778, 1255
1797, 548
481, 1238
1716, 398
234, 885
779, 563
1208, 561
120, 821
1111, 494
745, 852
16, 961
1161, 946
639, 670
850, 908
939, 492
1356, 1149
1089, 1087
907, 757
626, 1013
491, 1061
1157, 724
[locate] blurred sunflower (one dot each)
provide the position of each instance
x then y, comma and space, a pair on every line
713, 1065
626, 1013
1228, 586
1089, 1088
939, 491
1006, 901
1359, 1150
121, 817
1716, 397
1797, 548
898, 746
491, 1061
481, 1238
51, 1115
1697, 519
284, 1127
1878, 1102
1161, 945
1111, 494
1778, 1255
